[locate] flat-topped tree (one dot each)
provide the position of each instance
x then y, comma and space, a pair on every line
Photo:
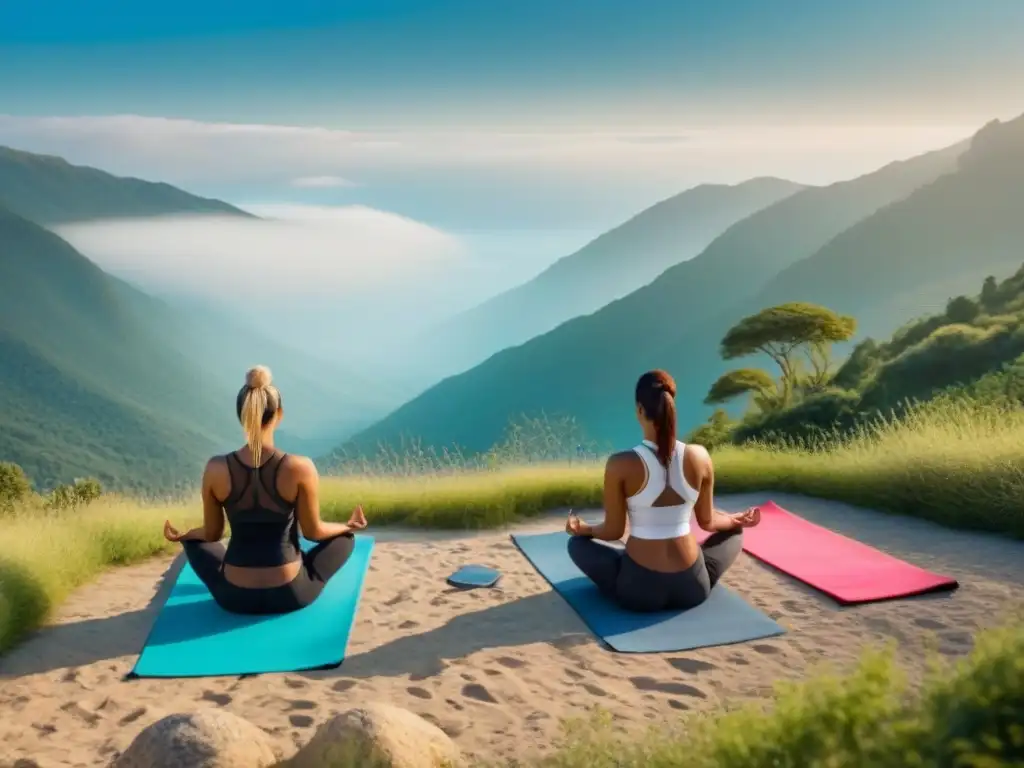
743, 381
784, 331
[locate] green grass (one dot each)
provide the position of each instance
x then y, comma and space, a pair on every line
957, 462
965, 715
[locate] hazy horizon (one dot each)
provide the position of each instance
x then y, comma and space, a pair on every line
414, 160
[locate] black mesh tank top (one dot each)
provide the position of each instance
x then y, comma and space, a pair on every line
264, 529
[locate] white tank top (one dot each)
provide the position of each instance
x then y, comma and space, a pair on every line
647, 521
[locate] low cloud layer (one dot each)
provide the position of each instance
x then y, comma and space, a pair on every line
292, 251
321, 182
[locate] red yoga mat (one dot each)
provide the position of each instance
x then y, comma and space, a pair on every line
845, 569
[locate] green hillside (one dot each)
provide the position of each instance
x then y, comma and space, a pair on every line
91, 390
587, 367
973, 347
50, 190
611, 266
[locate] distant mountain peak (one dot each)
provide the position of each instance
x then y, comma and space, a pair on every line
47, 189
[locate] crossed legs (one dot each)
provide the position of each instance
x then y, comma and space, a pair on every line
318, 565
641, 589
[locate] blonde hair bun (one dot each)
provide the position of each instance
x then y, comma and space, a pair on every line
258, 377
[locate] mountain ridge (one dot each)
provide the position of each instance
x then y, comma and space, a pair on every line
48, 190
567, 370
611, 265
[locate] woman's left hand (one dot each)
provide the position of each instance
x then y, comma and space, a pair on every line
576, 527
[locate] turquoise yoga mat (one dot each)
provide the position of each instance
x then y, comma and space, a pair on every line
194, 637
724, 618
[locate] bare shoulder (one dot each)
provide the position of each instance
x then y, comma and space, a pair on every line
697, 454
299, 467
216, 466
697, 464
622, 463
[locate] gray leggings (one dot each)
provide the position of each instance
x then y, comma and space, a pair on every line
318, 565
636, 588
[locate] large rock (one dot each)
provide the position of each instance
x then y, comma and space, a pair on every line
378, 736
209, 738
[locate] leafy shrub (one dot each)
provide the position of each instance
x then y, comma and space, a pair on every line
967, 715
812, 419
962, 310
82, 492
990, 293
912, 334
862, 362
715, 432
14, 485
952, 355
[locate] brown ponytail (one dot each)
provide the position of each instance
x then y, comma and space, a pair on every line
656, 395
257, 404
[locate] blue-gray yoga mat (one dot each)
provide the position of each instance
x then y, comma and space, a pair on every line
469, 576
724, 618
194, 637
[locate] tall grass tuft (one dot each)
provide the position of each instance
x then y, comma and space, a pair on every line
959, 462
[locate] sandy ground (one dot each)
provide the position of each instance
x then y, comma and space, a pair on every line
496, 669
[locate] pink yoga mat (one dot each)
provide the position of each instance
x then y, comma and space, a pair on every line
844, 569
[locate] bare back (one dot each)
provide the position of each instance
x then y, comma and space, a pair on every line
626, 476
262, 505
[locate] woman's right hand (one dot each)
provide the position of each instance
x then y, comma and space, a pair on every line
171, 533
358, 519
576, 527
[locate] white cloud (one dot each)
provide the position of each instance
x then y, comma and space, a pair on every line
293, 251
321, 182
189, 152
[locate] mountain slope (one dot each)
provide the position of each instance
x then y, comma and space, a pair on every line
90, 388
587, 366
325, 401
611, 266
910, 257
50, 190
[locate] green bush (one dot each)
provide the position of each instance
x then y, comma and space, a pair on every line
962, 310
715, 432
966, 715
14, 485
952, 355
816, 418
82, 492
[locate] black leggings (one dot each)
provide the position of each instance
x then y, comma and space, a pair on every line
636, 588
318, 565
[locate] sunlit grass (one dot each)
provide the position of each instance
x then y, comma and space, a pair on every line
960, 463
956, 462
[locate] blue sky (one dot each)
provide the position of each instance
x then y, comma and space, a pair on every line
429, 78
374, 63
426, 155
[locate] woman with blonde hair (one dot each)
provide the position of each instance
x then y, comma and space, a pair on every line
267, 496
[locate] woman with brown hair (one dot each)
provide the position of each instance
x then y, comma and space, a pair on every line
658, 485
267, 496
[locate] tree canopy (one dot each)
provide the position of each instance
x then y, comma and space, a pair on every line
781, 330
739, 382
786, 326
